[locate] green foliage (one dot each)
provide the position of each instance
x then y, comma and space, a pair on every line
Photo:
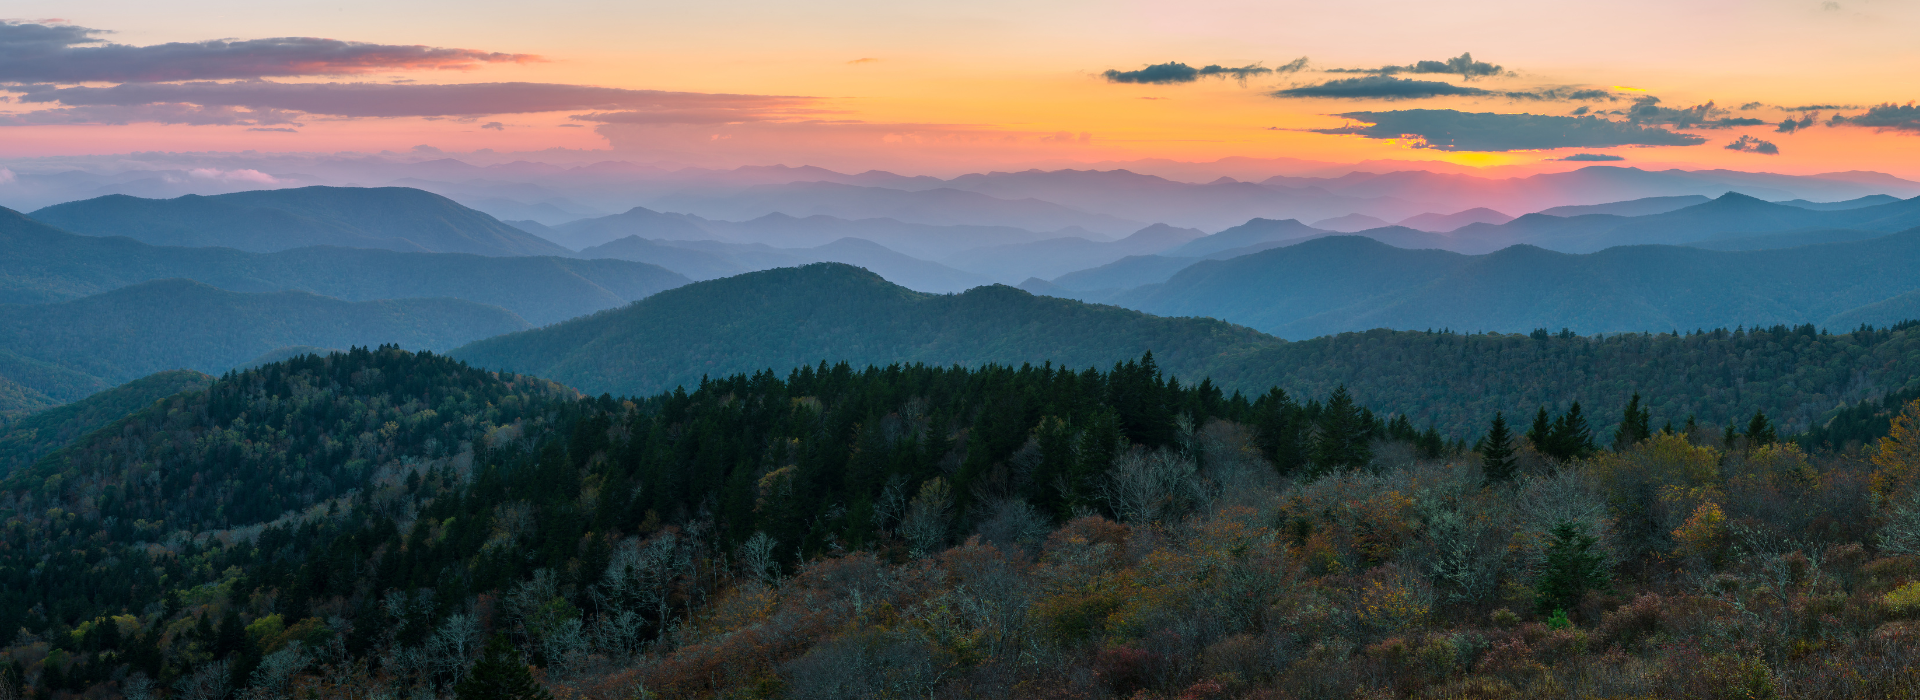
1345, 435
1571, 568
1636, 425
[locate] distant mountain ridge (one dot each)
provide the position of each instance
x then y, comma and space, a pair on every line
265, 221
40, 264
1350, 283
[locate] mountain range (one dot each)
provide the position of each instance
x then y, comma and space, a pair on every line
392, 218
39, 263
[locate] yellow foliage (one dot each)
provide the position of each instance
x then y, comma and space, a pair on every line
1393, 602
1705, 532
1904, 600
1898, 459
1666, 458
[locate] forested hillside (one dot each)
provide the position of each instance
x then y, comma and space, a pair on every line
785, 318
364, 523
393, 218
39, 264
163, 325
25, 440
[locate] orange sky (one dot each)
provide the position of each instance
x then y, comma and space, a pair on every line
998, 83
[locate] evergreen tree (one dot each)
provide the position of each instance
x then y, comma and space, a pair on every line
1280, 428
1345, 431
499, 675
1572, 568
1541, 432
1727, 436
1760, 431
1634, 425
1570, 438
1496, 451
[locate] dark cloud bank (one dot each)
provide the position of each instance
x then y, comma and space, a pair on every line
1175, 72
57, 53
1452, 130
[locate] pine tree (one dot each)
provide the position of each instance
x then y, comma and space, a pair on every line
1760, 431
1572, 568
1570, 438
1496, 451
499, 675
1280, 429
1541, 432
1634, 425
1344, 434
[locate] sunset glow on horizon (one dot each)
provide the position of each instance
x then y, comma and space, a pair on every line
928, 89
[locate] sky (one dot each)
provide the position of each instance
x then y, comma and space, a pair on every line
1795, 86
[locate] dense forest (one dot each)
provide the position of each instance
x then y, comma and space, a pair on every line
387, 524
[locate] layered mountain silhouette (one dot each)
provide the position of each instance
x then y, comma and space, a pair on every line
392, 218
39, 263
170, 324
703, 260
1346, 283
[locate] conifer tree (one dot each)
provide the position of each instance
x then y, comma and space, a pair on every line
499, 675
1760, 431
1541, 431
1496, 451
1344, 434
1570, 438
1634, 425
1572, 568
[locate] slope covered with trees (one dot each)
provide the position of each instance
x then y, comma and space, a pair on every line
789, 317
26, 439
39, 264
393, 218
382, 522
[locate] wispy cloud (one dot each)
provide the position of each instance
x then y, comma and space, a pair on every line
60, 53
1451, 130
1592, 158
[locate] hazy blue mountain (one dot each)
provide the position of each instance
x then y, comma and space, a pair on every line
638, 221
703, 260
1351, 223
1058, 256
1643, 206
285, 353
1883, 313
160, 325
943, 206
1339, 284
1253, 232
392, 218
789, 317
1441, 223
1789, 239
695, 264
1855, 203
25, 440
1130, 271
40, 264
1599, 184
1727, 216
1210, 206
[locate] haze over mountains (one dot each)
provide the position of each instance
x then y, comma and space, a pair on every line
214, 282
